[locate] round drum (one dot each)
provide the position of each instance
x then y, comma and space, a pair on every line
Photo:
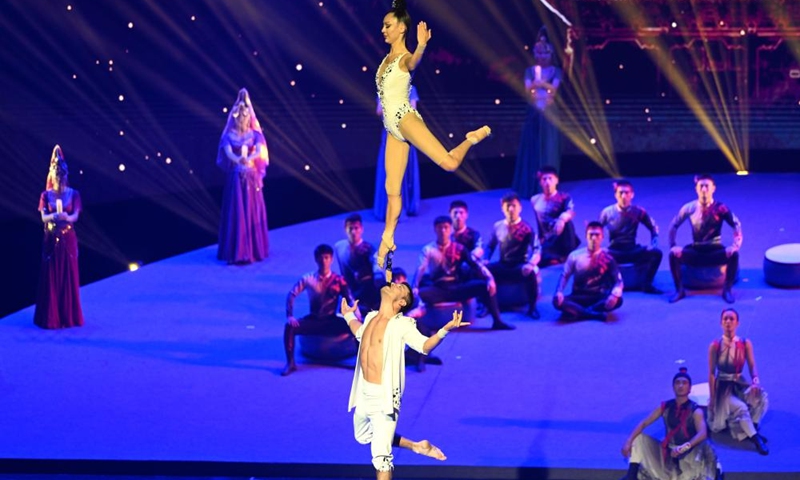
782, 265
703, 277
634, 277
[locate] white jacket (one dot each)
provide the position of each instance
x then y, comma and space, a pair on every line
400, 331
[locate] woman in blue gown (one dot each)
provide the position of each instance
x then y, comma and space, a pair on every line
540, 142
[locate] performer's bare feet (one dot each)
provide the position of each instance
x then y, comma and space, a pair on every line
424, 447
477, 136
387, 247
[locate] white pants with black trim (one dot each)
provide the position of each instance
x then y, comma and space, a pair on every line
372, 426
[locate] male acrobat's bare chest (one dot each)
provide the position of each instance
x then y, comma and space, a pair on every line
374, 333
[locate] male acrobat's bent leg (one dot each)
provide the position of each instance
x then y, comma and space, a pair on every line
372, 426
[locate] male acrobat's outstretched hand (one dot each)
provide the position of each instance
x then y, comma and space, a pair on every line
345, 309
456, 321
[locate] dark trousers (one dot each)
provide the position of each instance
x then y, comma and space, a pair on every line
582, 305
326, 326
556, 249
641, 257
704, 256
512, 273
438, 292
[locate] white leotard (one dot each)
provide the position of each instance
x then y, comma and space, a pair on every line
393, 90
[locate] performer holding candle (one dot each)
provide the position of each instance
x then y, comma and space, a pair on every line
58, 301
243, 155
540, 144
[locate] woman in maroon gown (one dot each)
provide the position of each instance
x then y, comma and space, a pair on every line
58, 301
243, 156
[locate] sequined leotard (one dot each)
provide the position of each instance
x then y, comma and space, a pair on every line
394, 86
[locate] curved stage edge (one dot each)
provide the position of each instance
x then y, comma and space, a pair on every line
177, 369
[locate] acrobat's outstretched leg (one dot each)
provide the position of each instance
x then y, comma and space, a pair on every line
416, 132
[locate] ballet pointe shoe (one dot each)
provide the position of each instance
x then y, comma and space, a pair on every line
477, 136
386, 251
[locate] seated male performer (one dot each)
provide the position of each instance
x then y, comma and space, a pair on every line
324, 289
554, 212
418, 310
597, 288
463, 233
440, 276
519, 251
706, 217
622, 221
684, 454
356, 258
469, 237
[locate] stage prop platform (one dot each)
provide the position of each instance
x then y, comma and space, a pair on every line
177, 369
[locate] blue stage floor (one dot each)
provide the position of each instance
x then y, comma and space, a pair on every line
180, 361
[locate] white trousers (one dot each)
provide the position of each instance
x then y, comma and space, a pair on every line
699, 464
372, 426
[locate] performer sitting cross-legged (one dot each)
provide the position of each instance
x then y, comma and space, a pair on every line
597, 288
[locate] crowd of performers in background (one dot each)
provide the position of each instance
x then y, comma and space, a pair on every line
457, 265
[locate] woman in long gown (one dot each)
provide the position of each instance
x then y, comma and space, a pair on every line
243, 156
404, 123
410, 191
540, 142
58, 300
